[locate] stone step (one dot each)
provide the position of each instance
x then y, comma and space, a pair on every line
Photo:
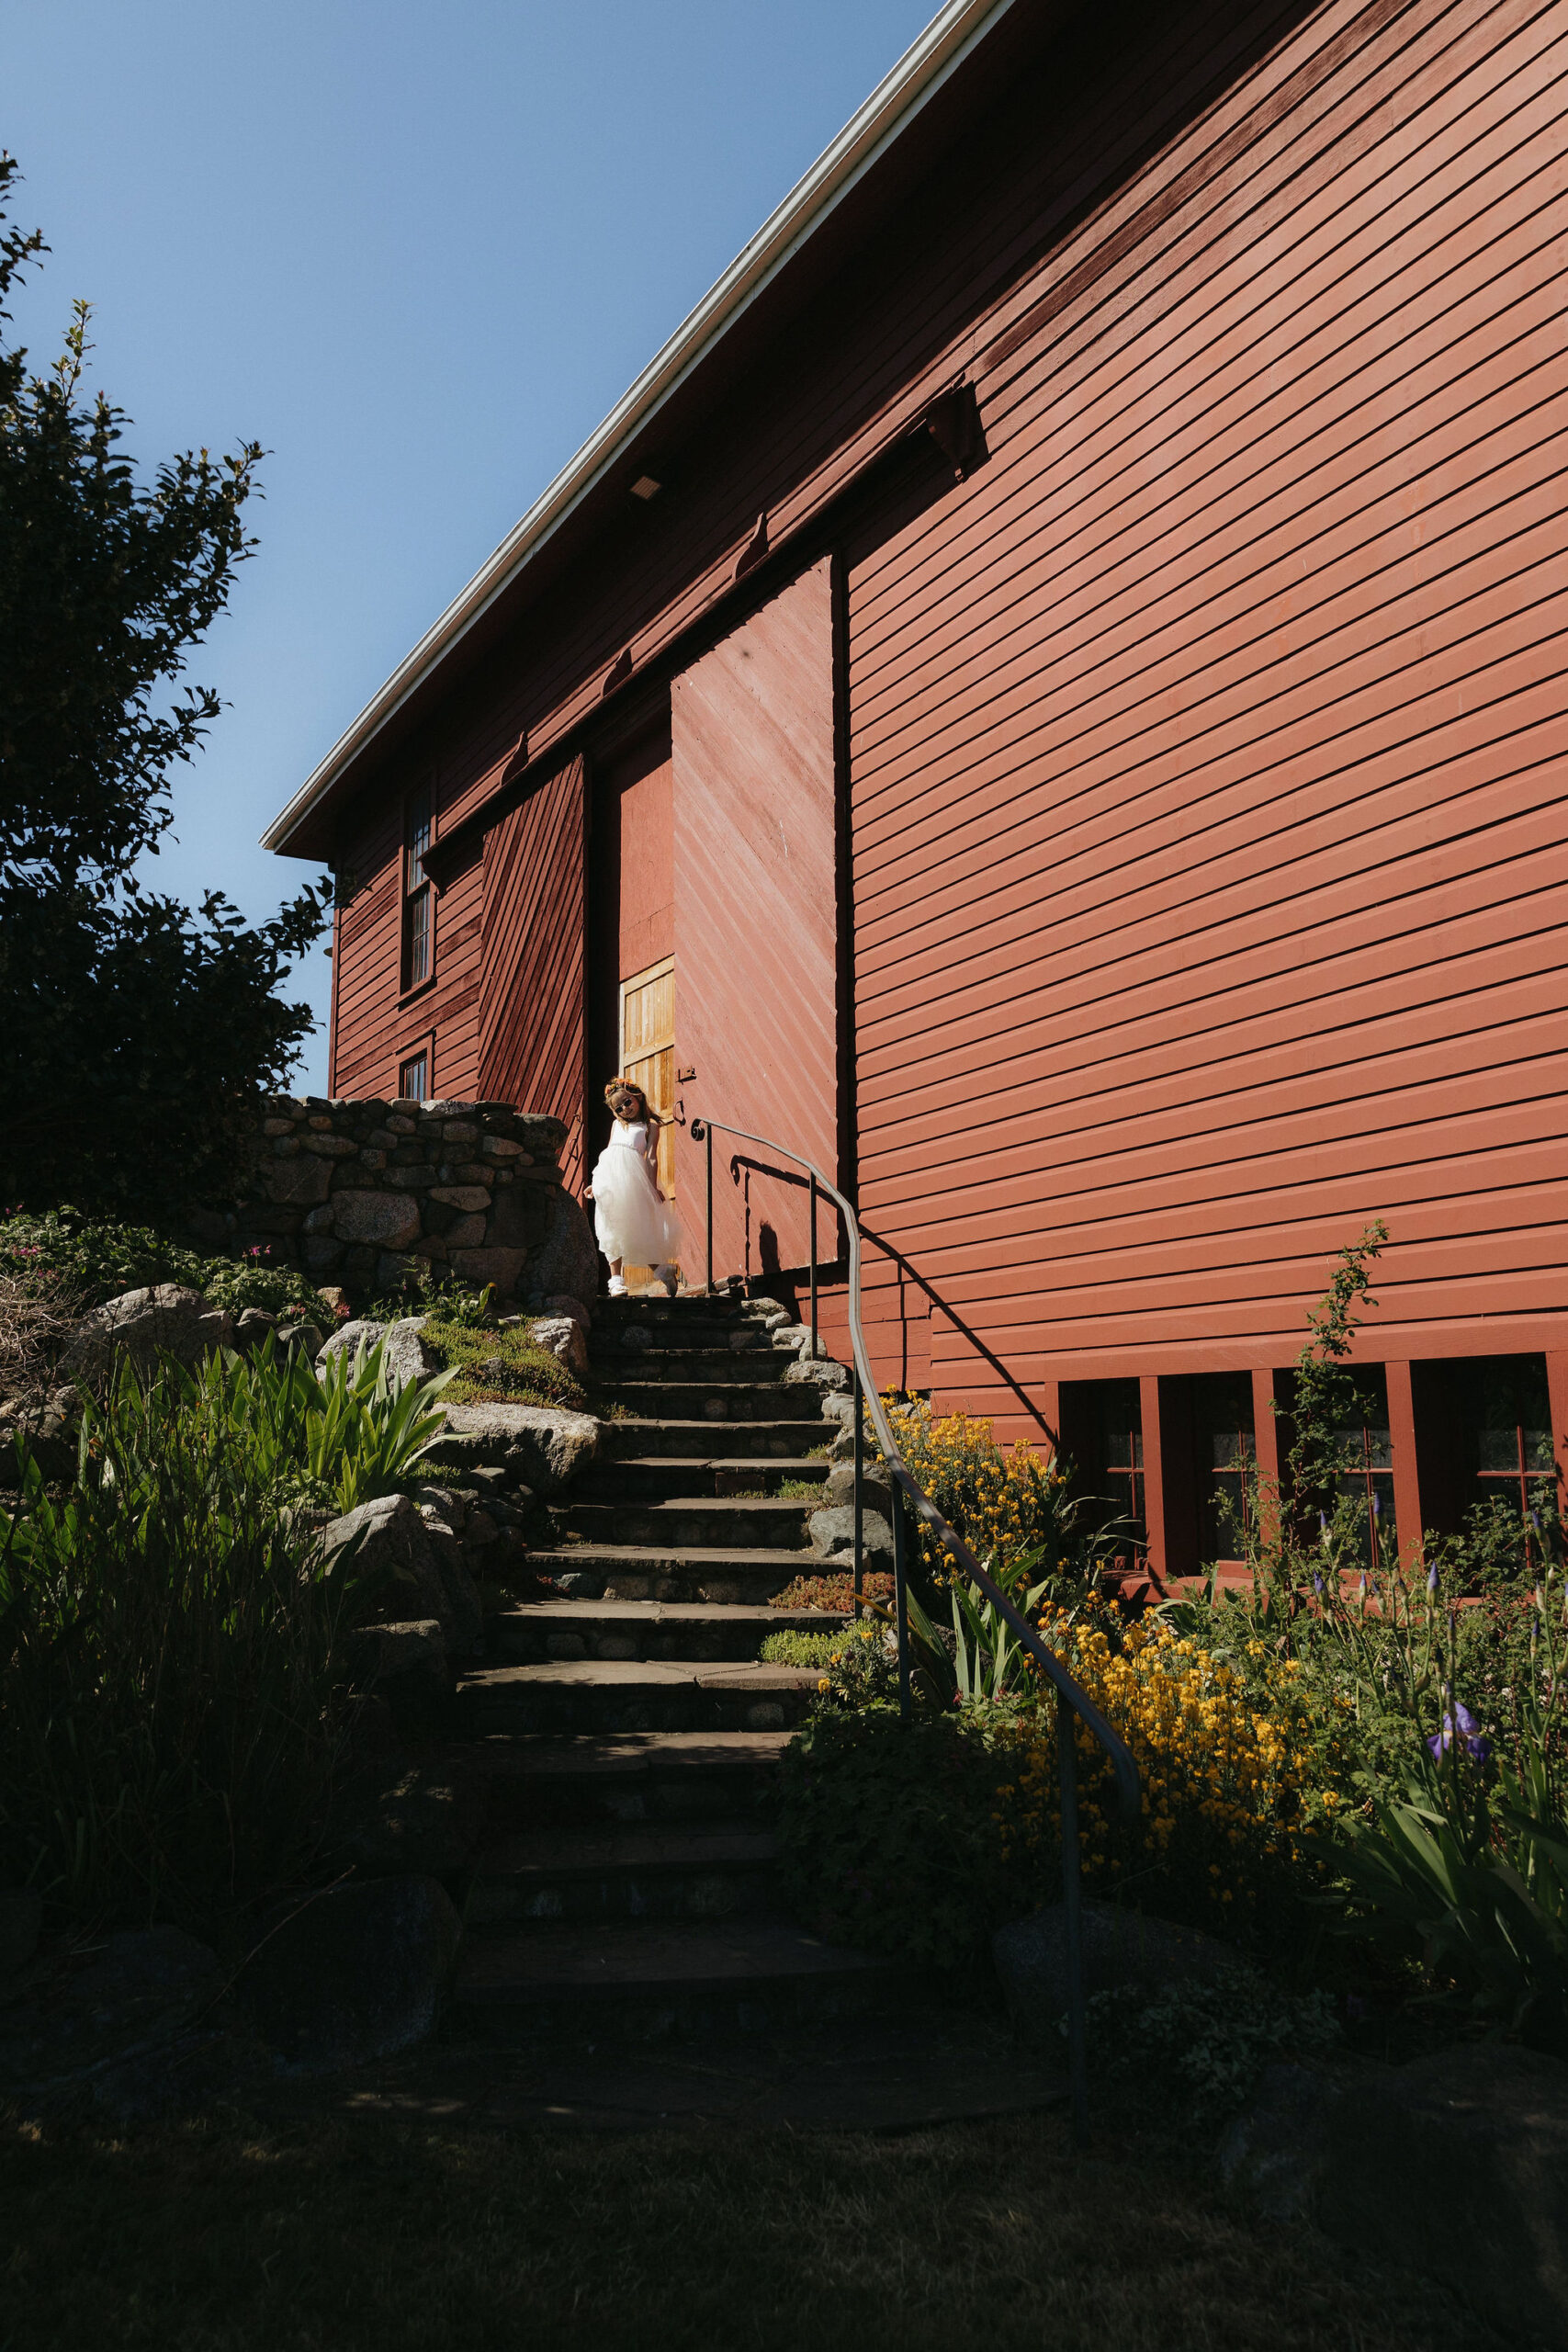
660, 1477
717, 1400
680, 1978
611, 1314
539, 1776
707, 1632
677, 1340
634, 1694
746, 1576
765, 1522
639, 1438
641, 1870
690, 1366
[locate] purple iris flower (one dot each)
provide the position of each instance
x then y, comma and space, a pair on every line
1432, 1581
1460, 1724
1317, 1584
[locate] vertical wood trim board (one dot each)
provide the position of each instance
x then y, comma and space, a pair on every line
756, 920
531, 1048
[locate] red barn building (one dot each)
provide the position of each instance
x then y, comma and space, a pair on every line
1045, 695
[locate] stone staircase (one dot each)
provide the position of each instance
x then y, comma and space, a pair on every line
628, 1737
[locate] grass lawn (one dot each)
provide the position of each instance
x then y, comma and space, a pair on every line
232, 2234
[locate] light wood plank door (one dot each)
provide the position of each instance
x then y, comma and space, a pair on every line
647, 1051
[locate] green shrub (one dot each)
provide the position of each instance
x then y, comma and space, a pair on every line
494, 1366
891, 1834
1198, 2049
170, 1714
251, 1280
334, 1438
95, 1260
790, 1648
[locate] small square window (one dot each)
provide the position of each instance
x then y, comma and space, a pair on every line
413, 1078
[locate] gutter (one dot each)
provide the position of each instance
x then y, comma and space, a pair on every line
953, 33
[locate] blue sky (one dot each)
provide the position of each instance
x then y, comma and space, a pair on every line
416, 251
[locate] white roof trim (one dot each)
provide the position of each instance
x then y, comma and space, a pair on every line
919, 75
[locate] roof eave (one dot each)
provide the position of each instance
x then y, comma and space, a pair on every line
919, 75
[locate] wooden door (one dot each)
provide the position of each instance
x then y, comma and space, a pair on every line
647, 1051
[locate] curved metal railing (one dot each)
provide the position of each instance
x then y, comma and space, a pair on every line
909, 1494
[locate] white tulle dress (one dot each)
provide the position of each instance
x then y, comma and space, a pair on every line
631, 1222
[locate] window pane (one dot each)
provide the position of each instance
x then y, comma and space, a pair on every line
1221, 1411
414, 1078
419, 839
419, 938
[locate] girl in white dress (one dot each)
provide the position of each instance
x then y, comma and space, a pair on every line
634, 1222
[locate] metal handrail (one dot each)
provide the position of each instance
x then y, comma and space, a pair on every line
907, 1488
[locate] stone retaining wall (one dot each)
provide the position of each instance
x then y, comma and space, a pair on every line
363, 1193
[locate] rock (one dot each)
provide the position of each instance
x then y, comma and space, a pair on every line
403, 1668
466, 1197
414, 1645
300, 1339
806, 1375
332, 1297
405, 1357
425, 1819
581, 1310
543, 1445
503, 1267
253, 1328
388, 1219
300, 1183
564, 1263
1120, 1947
1457, 2165
561, 1337
1274, 2153
579, 1584
832, 1534
21, 1924
877, 1485
142, 1324
354, 1973
418, 1557
359, 1332
842, 1410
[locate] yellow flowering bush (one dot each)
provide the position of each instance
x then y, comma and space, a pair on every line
1229, 1808
1004, 1501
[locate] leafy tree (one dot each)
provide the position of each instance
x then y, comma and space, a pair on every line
135, 1035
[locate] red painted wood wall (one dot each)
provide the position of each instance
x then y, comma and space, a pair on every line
1204, 747
1207, 745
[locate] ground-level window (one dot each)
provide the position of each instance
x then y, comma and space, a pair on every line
1102, 1436
1227, 1462
418, 914
1367, 1476
1507, 1416
413, 1077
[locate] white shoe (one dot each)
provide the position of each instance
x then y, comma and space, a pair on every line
617, 1286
